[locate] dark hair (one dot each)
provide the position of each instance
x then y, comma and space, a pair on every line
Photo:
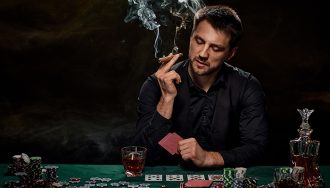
222, 18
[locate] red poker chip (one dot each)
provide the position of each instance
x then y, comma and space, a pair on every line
74, 179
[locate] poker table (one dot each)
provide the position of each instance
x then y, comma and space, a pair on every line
263, 174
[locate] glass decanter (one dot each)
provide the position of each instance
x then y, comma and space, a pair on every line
304, 152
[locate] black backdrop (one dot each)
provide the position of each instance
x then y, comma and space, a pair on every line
70, 73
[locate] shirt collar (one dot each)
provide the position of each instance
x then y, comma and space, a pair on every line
219, 81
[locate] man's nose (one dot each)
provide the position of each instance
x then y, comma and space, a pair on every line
203, 55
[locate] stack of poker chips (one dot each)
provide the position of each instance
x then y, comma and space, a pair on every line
34, 170
250, 182
18, 164
228, 176
51, 173
23, 178
236, 178
239, 177
27, 169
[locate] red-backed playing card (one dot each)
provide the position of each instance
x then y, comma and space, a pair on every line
170, 142
198, 183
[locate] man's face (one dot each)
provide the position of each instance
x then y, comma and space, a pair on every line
208, 49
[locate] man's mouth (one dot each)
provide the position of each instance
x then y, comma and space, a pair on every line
200, 63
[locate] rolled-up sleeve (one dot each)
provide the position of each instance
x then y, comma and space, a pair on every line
151, 126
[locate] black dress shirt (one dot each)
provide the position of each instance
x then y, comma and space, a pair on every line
230, 118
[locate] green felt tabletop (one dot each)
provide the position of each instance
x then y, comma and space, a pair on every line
264, 174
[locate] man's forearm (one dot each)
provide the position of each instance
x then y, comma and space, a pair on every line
213, 159
165, 107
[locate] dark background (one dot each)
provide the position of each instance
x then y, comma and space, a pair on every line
70, 73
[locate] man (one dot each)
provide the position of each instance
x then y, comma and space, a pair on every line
218, 109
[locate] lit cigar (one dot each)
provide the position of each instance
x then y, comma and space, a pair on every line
175, 50
164, 59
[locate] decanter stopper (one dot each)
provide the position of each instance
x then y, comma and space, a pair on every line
305, 130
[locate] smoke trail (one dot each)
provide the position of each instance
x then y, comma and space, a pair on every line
156, 13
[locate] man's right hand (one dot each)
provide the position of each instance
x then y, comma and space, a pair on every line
167, 79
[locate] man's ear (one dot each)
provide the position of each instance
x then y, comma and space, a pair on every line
231, 53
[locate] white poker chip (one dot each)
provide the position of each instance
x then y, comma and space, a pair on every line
132, 185
63, 183
123, 182
16, 157
101, 185
90, 185
240, 172
114, 184
51, 167
56, 184
144, 185
20, 174
105, 179
25, 158
95, 178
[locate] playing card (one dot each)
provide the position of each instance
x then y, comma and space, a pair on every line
170, 142
198, 183
215, 177
153, 177
174, 177
195, 177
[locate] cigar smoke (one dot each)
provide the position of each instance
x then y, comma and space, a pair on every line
156, 13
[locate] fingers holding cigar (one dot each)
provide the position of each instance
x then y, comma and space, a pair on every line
168, 61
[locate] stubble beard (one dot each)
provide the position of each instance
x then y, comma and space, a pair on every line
201, 72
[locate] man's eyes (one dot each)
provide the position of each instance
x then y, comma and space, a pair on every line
199, 41
216, 48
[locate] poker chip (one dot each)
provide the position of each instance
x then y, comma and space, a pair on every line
95, 178
105, 179
123, 183
34, 169
114, 184
74, 179
132, 185
144, 184
228, 176
18, 165
238, 183
101, 185
217, 185
90, 185
240, 172
25, 158
16, 157
64, 183
250, 182
56, 184
285, 170
51, 173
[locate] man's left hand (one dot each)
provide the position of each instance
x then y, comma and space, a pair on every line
191, 150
